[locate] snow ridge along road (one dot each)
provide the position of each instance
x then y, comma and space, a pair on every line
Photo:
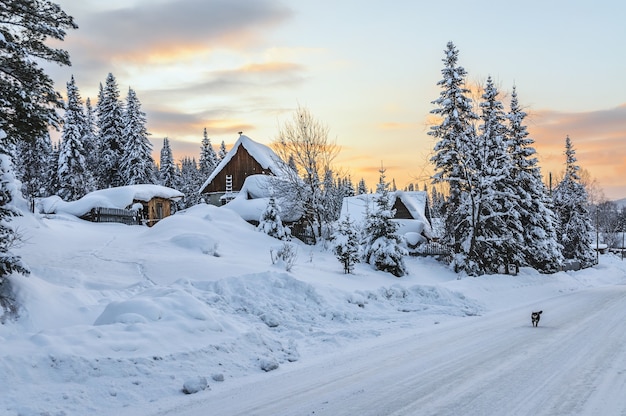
574, 363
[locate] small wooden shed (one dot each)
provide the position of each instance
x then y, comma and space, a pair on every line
134, 204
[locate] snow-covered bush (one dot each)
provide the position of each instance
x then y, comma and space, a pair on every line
284, 255
346, 244
270, 222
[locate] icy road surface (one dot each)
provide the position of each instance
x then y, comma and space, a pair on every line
574, 363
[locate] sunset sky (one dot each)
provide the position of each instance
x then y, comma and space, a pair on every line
367, 69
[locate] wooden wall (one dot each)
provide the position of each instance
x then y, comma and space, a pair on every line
240, 167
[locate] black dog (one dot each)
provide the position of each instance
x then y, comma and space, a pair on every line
534, 317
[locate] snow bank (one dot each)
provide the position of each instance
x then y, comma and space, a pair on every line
119, 320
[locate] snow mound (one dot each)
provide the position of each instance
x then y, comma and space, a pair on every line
158, 304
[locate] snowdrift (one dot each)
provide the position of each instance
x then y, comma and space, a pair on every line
118, 319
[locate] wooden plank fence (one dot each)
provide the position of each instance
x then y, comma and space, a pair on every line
432, 249
124, 216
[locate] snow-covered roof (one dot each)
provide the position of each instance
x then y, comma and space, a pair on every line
119, 197
415, 201
253, 198
266, 157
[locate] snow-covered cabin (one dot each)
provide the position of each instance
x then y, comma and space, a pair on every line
412, 212
246, 158
133, 204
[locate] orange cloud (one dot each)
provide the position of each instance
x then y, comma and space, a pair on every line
599, 138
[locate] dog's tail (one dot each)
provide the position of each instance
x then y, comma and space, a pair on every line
540, 312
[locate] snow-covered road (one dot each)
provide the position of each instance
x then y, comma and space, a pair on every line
574, 363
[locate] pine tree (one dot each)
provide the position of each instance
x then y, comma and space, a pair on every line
136, 164
52, 172
331, 199
28, 101
168, 171
436, 202
348, 187
361, 188
32, 164
270, 222
9, 263
495, 230
540, 247
90, 141
208, 157
110, 134
222, 152
381, 243
570, 203
346, 244
74, 178
190, 182
456, 144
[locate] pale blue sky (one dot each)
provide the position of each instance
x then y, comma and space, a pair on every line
368, 69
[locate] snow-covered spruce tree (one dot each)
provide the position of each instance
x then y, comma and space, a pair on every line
382, 246
492, 207
270, 222
454, 151
168, 171
208, 157
361, 187
52, 172
348, 187
346, 244
222, 152
136, 164
9, 188
540, 247
32, 166
570, 204
332, 199
90, 141
28, 101
75, 180
190, 182
437, 201
110, 134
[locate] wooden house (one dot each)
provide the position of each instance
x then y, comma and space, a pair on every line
411, 212
245, 158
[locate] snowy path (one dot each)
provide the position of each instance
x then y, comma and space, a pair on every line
574, 363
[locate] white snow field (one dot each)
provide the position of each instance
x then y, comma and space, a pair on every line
125, 320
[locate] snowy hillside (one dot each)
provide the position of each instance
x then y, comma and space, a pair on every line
121, 319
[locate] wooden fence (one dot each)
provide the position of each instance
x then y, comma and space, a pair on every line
124, 216
432, 249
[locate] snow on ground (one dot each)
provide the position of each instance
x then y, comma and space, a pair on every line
122, 319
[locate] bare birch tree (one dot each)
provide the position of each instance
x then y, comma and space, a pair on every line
304, 142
